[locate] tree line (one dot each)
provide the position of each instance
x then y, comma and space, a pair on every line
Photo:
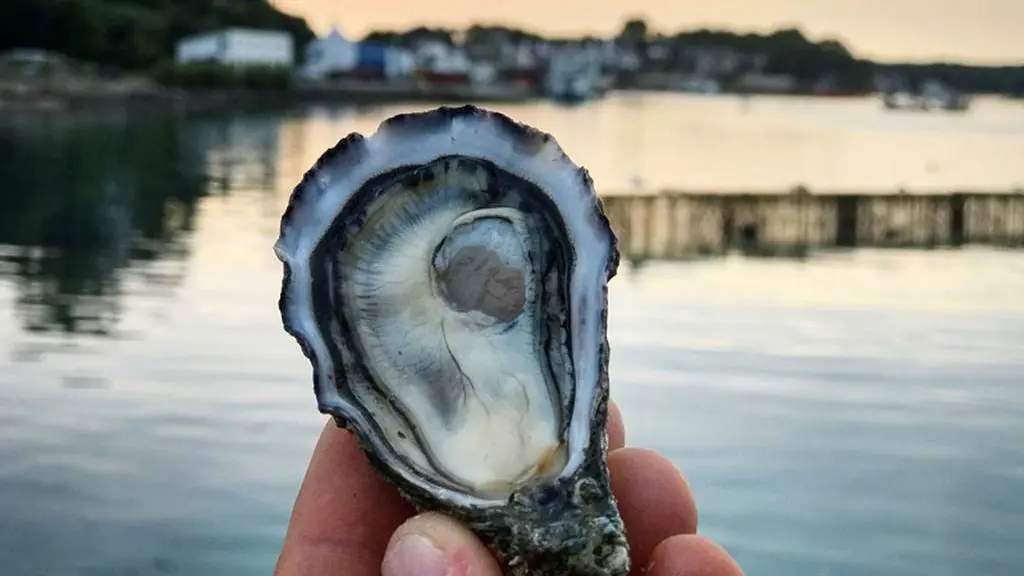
131, 34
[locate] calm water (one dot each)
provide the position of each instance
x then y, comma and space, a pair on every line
853, 414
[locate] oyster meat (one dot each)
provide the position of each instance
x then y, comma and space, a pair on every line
447, 278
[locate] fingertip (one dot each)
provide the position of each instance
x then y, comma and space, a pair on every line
434, 545
616, 428
691, 555
654, 500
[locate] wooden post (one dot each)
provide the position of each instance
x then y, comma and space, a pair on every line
846, 221
957, 228
728, 223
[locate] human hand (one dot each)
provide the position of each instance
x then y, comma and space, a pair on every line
347, 521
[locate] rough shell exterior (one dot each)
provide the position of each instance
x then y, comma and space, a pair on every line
567, 528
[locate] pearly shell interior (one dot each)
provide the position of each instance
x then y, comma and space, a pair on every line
445, 285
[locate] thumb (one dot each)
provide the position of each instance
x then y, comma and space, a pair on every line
434, 545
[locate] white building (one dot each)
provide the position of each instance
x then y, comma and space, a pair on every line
574, 72
330, 55
440, 58
238, 47
336, 55
521, 56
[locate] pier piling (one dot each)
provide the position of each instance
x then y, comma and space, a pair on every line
677, 224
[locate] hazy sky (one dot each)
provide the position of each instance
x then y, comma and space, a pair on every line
966, 30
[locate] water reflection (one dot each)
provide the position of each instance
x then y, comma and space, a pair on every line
873, 393
86, 205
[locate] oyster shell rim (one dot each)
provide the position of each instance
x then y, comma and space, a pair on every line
419, 138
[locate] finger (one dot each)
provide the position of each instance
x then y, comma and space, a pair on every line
343, 515
435, 545
616, 428
654, 501
691, 555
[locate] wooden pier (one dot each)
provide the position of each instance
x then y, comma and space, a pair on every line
678, 224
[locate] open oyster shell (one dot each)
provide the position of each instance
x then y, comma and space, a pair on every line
447, 278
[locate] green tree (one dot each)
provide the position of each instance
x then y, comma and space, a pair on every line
634, 32
131, 34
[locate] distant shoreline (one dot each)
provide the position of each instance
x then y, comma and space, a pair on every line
143, 96
149, 98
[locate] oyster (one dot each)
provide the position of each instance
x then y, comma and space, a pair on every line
447, 278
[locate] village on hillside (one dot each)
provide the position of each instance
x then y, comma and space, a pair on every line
500, 66
481, 64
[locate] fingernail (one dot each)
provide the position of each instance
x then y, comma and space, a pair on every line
414, 555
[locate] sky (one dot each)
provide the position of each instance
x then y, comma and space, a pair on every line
978, 31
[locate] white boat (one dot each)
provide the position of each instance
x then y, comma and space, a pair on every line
700, 85
932, 96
